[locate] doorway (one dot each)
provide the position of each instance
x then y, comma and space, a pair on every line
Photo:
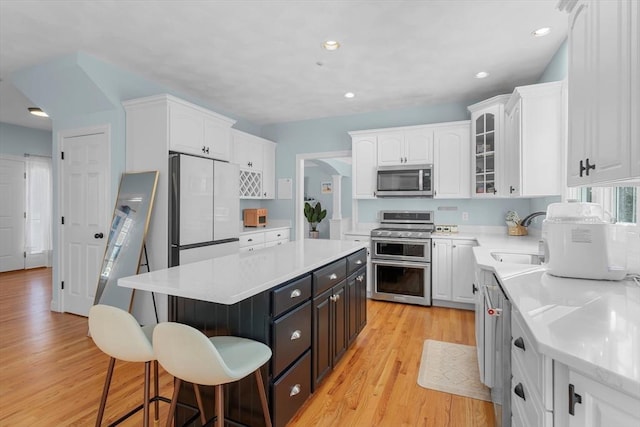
303, 160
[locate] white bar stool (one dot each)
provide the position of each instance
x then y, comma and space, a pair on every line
189, 355
118, 334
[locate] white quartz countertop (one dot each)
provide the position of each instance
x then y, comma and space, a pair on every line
233, 278
589, 325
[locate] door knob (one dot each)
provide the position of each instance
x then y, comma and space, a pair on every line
98, 236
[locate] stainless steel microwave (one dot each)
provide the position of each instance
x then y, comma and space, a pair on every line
405, 181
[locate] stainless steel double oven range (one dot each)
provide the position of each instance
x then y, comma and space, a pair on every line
401, 257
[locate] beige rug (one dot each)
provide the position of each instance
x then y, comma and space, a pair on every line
452, 368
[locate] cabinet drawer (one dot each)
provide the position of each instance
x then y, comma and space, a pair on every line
525, 354
529, 408
291, 295
326, 277
251, 239
291, 337
356, 261
291, 391
273, 235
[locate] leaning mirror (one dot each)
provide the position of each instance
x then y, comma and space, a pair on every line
126, 237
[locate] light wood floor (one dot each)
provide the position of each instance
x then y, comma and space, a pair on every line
51, 373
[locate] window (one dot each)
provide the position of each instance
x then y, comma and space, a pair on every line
621, 203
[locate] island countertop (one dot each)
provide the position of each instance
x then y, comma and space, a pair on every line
233, 278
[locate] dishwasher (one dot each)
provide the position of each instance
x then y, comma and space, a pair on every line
497, 326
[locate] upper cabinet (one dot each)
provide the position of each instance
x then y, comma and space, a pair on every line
445, 145
451, 160
405, 147
364, 150
534, 139
487, 141
194, 130
604, 92
256, 158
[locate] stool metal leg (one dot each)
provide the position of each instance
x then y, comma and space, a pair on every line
219, 406
105, 391
263, 398
156, 393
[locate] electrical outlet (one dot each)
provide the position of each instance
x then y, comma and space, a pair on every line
465, 216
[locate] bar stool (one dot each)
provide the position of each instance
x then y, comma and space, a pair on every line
189, 355
118, 334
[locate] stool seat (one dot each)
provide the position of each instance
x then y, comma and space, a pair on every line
189, 355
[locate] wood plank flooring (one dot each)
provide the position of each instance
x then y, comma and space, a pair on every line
51, 373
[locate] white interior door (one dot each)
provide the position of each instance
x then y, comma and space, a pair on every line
12, 194
86, 210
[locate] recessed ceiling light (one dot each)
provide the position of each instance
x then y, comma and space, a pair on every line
541, 32
330, 45
349, 95
482, 75
37, 112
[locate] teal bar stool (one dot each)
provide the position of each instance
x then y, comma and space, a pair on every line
189, 355
118, 334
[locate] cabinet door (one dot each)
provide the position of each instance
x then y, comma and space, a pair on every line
340, 305
451, 165
513, 141
217, 138
610, 63
391, 149
418, 144
635, 88
601, 406
361, 279
322, 326
486, 145
186, 130
441, 269
269, 171
352, 307
462, 270
579, 121
364, 153
247, 151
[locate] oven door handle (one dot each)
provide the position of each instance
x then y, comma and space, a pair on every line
491, 309
402, 241
400, 263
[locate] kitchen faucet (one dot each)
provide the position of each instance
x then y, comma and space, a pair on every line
527, 220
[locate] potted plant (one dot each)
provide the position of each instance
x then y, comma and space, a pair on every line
314, 215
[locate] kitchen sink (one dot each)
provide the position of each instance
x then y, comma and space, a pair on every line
517, 258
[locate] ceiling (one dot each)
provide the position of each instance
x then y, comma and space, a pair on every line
263, 60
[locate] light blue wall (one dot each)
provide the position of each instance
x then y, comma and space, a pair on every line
18, 141
558, 67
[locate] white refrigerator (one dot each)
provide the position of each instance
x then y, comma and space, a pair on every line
204, 207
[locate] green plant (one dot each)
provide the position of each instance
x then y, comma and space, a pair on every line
314, 214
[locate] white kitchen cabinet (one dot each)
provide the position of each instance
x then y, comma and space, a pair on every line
487, 143
156, 125
194, 130
452, 272
364, 155
256, 158
533, 147
593, 403
603, 92
405, 147
451, 161
255, 240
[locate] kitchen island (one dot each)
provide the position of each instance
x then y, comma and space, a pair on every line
305, 299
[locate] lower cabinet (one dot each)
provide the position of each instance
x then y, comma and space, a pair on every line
452, 273
254, 240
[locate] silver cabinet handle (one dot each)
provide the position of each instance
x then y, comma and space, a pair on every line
295, 390
358, 262
296, 335
295, 293
333, 276
360, 278
333, 298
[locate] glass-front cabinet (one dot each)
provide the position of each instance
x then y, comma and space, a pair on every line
487, 133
